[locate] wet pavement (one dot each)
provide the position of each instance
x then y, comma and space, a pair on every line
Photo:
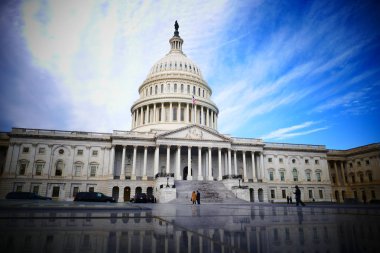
50, 226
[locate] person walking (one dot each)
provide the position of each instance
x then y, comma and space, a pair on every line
198, 198
298, 196
194, 197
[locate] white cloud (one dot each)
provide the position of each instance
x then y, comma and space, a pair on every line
289, 132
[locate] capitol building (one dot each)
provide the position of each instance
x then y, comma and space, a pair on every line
174, 147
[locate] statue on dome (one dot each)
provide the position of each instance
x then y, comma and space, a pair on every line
176, 26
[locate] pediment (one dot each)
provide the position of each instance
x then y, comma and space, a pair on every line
194, 133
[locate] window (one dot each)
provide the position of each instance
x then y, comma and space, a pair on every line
75, 191
93, 168
271, 175
295, 174
61, 151
95, 153
310, 194
369, 173
283, 194
316, 162
78, 169
22, 169
306, 161
367, 162
19, 188
282, 175
25, 149
272, 194
59, 168
91, 189
321, 194
359, 164
80, 152
193, 90
281, 160
41, 151
308, 176
39, 168
294, 161
269, 160
188, 89
150, 90
155, 89
175, 87
361, 177
162, 88
35, 189
55, 193
318, 174
353, 178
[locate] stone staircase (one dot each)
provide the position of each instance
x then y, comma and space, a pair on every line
211, 192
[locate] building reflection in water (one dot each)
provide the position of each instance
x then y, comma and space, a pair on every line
260, 230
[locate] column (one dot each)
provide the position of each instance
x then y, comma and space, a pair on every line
262, 166
201, 122
168, 159
156, 159
200, 177
178, 171
162, 112
187, 113
133, 119
245, 178
154, 113
189, 176
253, 167
171, 112
216, 121
122, 169
220, 177
195, 114
210, 177
208, 118
336, 174
112, 159
235, 162
145, 160
342, 172
229, 162
8, 161
133, 176
141, 115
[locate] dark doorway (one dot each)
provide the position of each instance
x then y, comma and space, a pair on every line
337, 197
149, 191
115, 192
127, 194
185, 172
261, 195
138, 190
251, 195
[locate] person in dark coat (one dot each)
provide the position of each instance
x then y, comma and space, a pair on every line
298, 196
288, 199
198, 198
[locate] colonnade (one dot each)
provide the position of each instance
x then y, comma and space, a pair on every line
226, 162
174, 112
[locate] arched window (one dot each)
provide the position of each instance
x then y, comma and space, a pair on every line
271, 174
318, 175
39, 166
181, 87
59, 168
282, 174
369, 174
295, 174
93, 169
162, 88
308, 175
175, 87
22, 166
155, 90
78, 169
151, 90
361, 177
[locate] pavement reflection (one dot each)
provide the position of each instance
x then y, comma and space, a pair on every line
189, 228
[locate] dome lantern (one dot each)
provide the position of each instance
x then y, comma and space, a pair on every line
176, 41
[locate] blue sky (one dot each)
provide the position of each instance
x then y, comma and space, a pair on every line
303, 72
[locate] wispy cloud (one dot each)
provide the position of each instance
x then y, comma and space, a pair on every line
289, 132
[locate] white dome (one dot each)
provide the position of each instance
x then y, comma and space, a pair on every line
175, 61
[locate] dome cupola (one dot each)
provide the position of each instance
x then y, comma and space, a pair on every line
174, 94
